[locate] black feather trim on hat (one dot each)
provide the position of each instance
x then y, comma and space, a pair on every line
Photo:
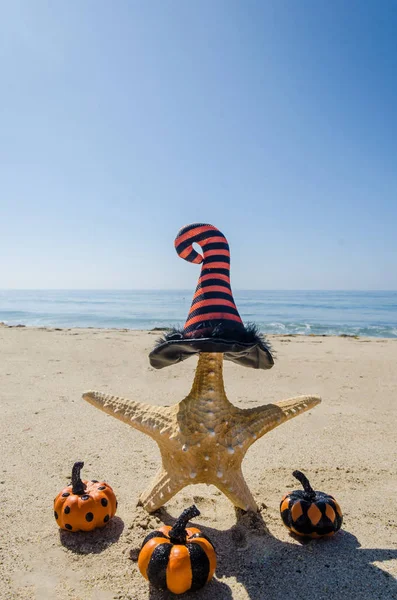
248, 333
244, 345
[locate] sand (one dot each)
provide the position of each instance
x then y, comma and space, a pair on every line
346, 445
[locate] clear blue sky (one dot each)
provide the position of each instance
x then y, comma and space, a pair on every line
122, 121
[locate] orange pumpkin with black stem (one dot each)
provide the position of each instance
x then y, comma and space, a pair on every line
84, 505
178, 559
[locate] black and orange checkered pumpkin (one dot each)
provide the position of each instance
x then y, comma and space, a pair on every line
178, 559
84, 505
310, 513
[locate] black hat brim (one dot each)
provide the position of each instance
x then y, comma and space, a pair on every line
252, 352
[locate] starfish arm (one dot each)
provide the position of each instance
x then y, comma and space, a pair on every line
164, 486
233, 485
258, 421
292, 407
151, 420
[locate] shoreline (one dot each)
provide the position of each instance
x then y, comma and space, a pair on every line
159, 330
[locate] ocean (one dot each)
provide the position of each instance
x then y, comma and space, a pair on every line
299, 312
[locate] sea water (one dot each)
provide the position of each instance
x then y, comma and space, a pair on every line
366, 313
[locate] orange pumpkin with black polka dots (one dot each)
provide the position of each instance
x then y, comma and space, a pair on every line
310, 513
84, 505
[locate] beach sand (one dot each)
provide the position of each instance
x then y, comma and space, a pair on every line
346, 446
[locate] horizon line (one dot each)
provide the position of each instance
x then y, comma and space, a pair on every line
190, 290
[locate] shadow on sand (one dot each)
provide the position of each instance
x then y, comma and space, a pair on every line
329, 569
92, 542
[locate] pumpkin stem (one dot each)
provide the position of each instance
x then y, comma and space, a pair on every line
178, 533
305, 482
78, 486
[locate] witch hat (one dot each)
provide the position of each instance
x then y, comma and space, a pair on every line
213, 323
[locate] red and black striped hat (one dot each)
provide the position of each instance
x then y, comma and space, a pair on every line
213, 323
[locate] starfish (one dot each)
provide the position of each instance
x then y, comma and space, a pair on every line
203, 438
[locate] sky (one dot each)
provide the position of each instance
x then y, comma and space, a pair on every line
121, 122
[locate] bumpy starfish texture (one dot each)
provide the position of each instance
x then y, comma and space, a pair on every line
203, 438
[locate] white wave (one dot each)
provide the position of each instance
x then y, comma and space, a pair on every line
278, 325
